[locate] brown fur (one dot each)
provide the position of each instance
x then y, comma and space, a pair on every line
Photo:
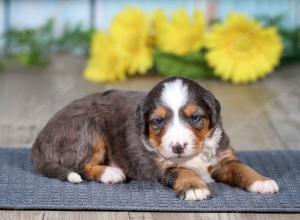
155, 138
94, 172
202, 133
155, 135
163, 164
186, 179
190, 109
93, 169
233, 172
98, 152
227, 154
160, 111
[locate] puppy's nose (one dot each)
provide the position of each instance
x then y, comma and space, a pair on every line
178, 148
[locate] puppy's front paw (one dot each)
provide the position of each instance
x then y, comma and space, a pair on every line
112, 175
264, 187
195, 194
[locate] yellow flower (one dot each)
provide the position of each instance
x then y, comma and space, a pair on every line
180, 35
105, 63
130, 34
241, 50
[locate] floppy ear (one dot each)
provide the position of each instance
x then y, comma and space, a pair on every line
140, 119
142, 114
214, 107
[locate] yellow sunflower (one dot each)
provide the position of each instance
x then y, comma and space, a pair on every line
130, 34
241, 50
105, 63
181, 34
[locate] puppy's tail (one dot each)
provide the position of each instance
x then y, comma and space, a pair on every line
54, 170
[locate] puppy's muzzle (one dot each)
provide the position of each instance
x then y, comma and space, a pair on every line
179, 148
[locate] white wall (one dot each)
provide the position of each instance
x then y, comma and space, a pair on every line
32, 13
1, 16
106, 10
1, 23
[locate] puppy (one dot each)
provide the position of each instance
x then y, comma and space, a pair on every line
172, 135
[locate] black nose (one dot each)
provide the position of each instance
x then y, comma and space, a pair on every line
178, 148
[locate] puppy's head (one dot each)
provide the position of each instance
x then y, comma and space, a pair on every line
176, 117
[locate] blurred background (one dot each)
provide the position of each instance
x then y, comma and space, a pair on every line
53, 52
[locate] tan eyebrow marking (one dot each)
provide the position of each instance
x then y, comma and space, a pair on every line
190, 109
160, 111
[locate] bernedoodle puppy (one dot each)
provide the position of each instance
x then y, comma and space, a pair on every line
172, 135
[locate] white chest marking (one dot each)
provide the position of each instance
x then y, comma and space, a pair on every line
200, 167
207, 158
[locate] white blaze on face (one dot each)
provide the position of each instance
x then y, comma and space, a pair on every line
175, 96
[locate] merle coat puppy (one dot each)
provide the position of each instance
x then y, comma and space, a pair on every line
172, 135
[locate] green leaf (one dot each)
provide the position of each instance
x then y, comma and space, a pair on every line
1, 65
31, 46
75, 38
291, 41
192, 65
268, 20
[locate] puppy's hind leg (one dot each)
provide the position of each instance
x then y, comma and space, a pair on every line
96, 170
104, 174
55, 170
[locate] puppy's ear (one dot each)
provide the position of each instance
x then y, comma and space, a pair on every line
214, 108
140, 119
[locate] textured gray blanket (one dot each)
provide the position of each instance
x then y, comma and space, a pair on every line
22, 188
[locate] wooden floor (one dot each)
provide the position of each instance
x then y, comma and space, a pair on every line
264, 115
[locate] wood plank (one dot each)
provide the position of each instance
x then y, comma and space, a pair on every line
208, 216
140, 215
62, 215
93, 215
22, 215
244, 117
173, 216
84, 215
245, 216
284, 114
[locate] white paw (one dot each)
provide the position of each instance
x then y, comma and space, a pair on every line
264, 187
112, 175
197, 194
74, 177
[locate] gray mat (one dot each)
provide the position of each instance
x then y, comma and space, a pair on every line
22, 188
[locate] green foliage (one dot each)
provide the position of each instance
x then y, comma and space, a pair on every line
192, 65
75, 39
33, 46
30, 46
291, 40
268, 20
1, 65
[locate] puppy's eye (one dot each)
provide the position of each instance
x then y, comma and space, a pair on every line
196, 118
158, 121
